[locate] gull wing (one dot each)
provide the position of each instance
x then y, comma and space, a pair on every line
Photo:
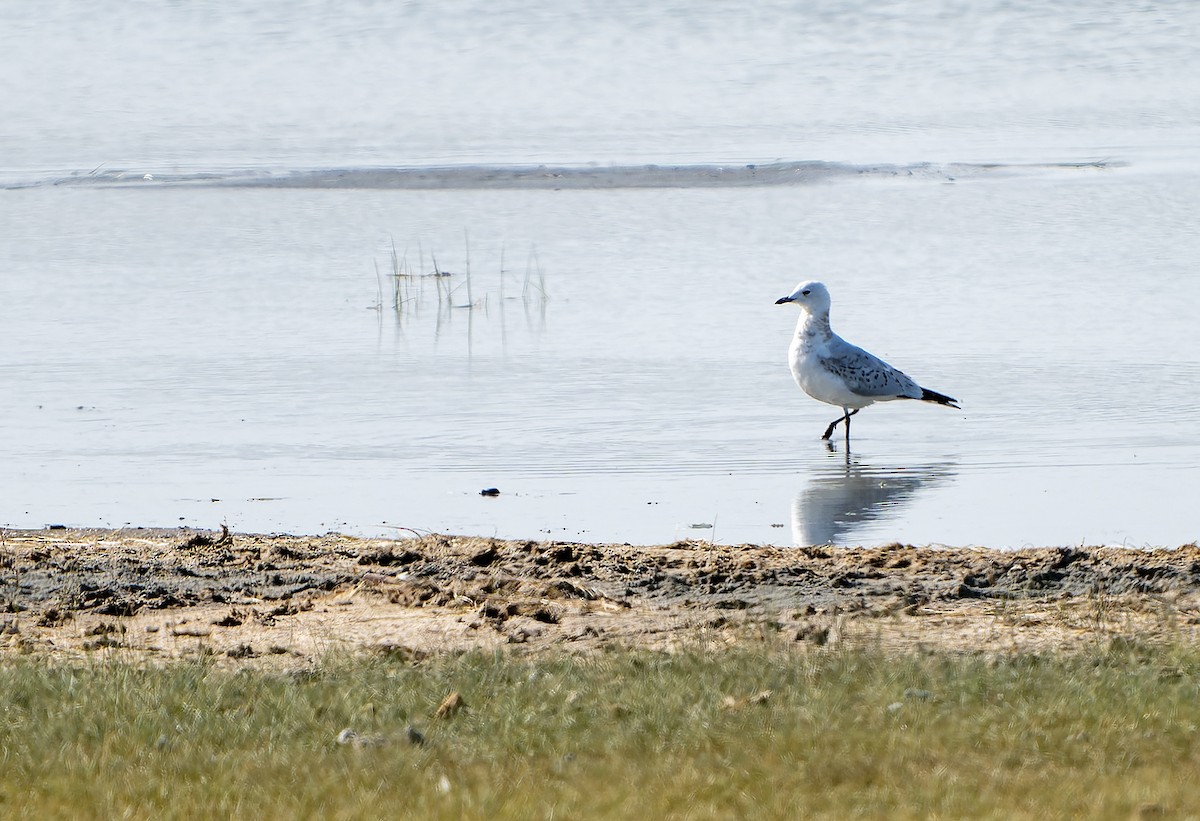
867, 375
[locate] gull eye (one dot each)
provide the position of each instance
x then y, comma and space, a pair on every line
806, 292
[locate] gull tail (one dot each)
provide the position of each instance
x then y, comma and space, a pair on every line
933, 396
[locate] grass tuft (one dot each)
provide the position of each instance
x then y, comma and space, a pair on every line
409, 295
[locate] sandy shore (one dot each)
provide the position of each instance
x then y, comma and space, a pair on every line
280, 601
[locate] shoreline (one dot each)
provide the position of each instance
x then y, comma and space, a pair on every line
281, 601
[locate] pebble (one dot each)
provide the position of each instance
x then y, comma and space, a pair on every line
351, 737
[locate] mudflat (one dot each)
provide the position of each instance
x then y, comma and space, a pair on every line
155, 596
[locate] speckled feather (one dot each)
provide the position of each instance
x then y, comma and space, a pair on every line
866, 374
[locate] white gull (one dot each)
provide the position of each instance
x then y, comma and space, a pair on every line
831, 370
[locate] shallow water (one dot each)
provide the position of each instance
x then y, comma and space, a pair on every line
197, 352
309, 83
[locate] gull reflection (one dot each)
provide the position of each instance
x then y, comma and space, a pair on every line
845, 494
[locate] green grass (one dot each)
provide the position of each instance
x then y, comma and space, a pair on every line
623, 735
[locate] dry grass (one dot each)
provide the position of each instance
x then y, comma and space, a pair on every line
765, 732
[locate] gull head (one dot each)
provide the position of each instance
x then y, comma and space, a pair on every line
811, 296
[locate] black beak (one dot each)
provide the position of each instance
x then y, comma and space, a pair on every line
783, 299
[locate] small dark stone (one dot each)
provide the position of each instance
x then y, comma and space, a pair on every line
388, 557
731, 604
490, 491
231, 619
563, 553
485, 557
965, 591
544, 614
119, 607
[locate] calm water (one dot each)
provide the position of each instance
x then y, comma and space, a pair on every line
207, 352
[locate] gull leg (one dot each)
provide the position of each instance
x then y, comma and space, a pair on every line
829, 430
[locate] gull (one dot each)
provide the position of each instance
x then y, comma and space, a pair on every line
831, 370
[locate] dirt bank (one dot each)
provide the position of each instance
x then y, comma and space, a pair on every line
286, 600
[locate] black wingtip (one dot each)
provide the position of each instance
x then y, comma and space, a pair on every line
933, 396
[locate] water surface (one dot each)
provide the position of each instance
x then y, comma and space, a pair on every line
1001, 202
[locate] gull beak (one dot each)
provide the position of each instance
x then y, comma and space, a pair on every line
783, 299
